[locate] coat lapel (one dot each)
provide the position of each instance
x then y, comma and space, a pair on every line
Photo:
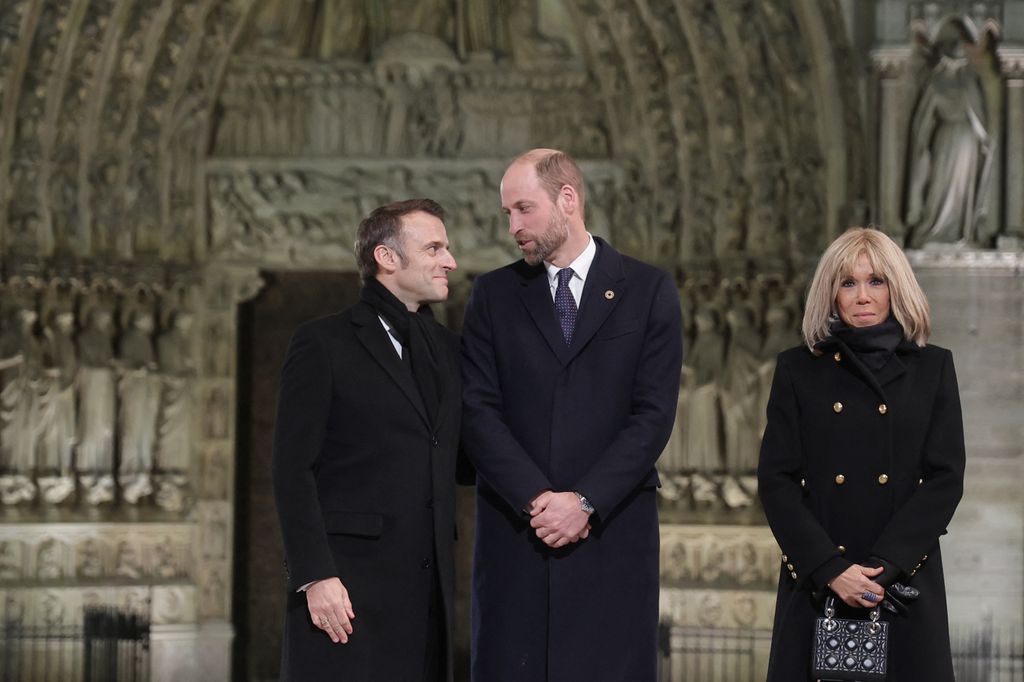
374, 338
596, 304
536, 296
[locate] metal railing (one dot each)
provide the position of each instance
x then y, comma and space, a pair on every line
985, 654
710, 654
109, 645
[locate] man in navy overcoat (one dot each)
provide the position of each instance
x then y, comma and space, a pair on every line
570, 388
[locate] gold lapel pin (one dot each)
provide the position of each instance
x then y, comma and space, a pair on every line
609, 294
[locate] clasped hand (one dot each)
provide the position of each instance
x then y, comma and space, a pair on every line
558, 518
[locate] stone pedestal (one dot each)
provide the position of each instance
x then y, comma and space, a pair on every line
977, 300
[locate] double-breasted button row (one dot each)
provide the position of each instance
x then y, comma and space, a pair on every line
789, 566
882, 479
837, 407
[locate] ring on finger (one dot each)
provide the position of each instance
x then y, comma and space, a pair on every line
325, 623
869, 596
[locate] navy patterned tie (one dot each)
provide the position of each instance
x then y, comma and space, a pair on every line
565, 304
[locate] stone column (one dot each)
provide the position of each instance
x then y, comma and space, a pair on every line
1011, 60
890, 65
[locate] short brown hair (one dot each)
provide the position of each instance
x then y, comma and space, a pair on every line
907, 301
555, 169
384, 226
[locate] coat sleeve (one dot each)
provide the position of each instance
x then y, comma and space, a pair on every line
916, 526
303, 405
800, 535
498, 456
633, 453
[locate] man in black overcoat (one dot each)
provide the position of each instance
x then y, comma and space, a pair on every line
364, 466
571, 361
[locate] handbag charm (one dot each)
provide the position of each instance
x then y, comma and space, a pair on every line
848, 649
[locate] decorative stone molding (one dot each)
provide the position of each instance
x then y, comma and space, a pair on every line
717, 556
732, 609
891, 61
935, 256
1011, 61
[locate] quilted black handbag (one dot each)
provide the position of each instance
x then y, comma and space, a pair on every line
849, 649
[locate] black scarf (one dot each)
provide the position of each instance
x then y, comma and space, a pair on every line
874, 345
418, 345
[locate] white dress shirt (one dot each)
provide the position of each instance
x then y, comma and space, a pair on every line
580, 268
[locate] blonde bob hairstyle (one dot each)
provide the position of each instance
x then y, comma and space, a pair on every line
906, 300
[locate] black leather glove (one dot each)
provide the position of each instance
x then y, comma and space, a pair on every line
897, 595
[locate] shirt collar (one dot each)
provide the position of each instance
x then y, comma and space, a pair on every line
580, 266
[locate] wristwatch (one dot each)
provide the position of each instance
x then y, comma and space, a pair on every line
585, 504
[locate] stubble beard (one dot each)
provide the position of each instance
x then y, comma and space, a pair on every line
550, 240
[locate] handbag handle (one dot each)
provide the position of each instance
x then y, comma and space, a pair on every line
830, 612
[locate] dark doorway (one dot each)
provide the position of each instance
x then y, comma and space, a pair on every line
265, 326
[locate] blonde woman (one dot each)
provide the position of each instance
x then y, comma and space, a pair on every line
862, 462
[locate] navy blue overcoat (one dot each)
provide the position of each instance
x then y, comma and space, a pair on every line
591, 417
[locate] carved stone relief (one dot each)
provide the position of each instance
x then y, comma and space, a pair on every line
710, 462
80, 385
306, 214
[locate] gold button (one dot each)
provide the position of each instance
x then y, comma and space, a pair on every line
883, 408
840, 479
913, 573
842, 550
837, 407
920, 481
924, 558
793, 575
803, 483
791, 567
785, 559
883, 479
837, 356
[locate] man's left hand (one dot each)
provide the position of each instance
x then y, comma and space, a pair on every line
559, 519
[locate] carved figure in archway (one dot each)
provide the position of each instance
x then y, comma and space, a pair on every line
20, 378
58, 413
174, 433
951, 152
139, 390
703, 428
739, 383
97, 404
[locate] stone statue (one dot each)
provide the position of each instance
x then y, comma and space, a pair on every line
139, 390
739, 384
950, 155
174, 430
97, 404
10, 560
20, 379
58, 415
703, 428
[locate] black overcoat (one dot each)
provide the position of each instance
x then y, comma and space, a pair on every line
365, 492
857, 464
591, 417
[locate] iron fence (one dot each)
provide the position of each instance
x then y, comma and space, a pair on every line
711, 654
985, 654
109, 645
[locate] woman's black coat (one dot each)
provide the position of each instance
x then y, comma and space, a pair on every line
854, 465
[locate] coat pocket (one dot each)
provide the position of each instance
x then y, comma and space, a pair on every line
354, 523
612, 331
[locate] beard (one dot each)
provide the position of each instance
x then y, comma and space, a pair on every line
547, 242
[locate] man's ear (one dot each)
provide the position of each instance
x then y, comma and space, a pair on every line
568, 199
387, 259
